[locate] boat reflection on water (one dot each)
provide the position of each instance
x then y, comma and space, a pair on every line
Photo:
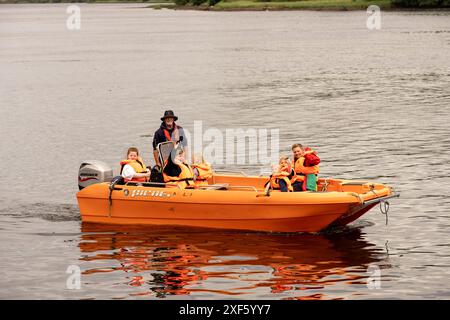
163, 262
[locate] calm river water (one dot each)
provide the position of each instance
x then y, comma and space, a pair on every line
375, 104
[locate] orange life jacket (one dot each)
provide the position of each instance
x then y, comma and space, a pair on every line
204, 173
183, 180
175, 132
138, 165
284, 175
301, 170
167, 134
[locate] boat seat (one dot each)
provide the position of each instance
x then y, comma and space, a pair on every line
217, 186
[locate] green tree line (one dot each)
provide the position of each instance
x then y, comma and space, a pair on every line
196, 2
395, 3
421, 3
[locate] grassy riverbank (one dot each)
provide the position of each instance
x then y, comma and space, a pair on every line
300, 5
242, 5
341, 5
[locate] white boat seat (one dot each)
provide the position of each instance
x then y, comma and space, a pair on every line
217, 186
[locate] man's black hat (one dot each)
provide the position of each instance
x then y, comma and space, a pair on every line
169, 114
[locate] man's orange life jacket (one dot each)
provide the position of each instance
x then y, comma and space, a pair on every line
204, 173
184, 179
302, 171
138, 165
175, 133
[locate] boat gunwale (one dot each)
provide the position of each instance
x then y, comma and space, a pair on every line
302, 198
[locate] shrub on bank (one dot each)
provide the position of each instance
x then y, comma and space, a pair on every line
397, 3
181, 2
197, 2
421, 3
189, 2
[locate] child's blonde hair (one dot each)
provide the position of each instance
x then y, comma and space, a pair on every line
284, 158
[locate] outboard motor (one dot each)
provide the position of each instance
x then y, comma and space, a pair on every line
93, 171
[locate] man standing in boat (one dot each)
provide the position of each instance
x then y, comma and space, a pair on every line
168, 131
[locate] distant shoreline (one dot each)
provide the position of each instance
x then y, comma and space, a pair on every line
253, 5
311, 5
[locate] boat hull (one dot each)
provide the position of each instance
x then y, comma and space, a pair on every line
270, 225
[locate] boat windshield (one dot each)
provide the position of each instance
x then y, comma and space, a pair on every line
164, 149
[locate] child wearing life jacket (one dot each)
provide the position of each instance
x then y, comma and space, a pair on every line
134, 168
177, 172
306, 166
283, 176
202, 170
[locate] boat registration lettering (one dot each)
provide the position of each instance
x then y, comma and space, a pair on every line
145, 193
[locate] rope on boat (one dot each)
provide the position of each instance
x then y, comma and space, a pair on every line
384, 209
111, 188
376, 194
384, 206
325, 184
113, 183
357, 196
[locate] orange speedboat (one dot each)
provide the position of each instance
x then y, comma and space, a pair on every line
228, 202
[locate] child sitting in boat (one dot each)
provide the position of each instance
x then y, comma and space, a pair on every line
283, 176
177, 172
134, 168
202, 170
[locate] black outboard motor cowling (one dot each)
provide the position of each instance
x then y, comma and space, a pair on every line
93, 171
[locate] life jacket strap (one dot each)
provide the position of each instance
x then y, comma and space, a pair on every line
167, 134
